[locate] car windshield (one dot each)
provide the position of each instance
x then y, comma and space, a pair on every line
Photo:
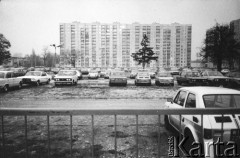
222, 101
66, 73
93, 71
33, 73
194, 74
214, 73
118, 74
164, 74
2, 75
143, 74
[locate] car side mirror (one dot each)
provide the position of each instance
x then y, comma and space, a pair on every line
170, 100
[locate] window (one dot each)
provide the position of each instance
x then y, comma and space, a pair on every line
9, 75
191, 101
180, 98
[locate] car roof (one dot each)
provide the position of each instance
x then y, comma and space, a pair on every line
210, 90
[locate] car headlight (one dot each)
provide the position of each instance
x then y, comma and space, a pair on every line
216, 79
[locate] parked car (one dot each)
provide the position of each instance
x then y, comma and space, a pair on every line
234, 79
18, 71
193, 127
133, 74
103, 74
9, 80
36, 78
215, 78
66, 77
191, 78
79, 74
143, 78
117, 78
164, 78
93, 74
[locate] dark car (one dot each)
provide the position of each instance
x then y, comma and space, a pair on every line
215, 78
191, 78
234, 79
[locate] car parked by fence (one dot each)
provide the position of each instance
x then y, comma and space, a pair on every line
215, 78
117, 78
164, 78
66, 77
35, 78
9, 80
206, 128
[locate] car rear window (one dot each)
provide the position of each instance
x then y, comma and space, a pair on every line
222, 101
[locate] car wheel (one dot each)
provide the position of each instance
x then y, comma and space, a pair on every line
20, 85
157, 83
76, 82
188, 145
37, 83
5, 88
136, 84
48, 81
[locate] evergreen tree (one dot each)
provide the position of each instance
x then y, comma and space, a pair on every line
145, 54
4, 52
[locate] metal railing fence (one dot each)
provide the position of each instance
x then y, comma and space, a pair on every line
92, 112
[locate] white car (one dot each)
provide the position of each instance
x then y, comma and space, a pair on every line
8, 80
164, 78
192, 126
66, 77
143, 78
36, 78
93, 74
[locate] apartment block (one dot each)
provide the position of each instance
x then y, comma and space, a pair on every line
235, 25
106, 45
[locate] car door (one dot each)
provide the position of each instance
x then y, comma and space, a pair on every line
9, 79
191, 120
44, 77
178, 103
15, 79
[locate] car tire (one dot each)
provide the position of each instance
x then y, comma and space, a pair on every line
136, 84
5, 88
20, 85
157, 83
76, 82
48, 81
188, 145
37, 83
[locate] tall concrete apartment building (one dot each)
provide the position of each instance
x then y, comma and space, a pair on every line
235, 25
111, 45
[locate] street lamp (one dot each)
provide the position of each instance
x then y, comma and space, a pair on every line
55, 46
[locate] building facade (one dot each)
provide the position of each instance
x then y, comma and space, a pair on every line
104, 45
235, 25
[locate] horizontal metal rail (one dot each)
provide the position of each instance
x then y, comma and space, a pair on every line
115, 112
56, 111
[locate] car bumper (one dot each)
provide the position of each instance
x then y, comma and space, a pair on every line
63, 82
143, 81
118, 81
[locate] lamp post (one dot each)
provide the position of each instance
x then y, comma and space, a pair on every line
55, 46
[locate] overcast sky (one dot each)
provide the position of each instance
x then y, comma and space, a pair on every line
33, 24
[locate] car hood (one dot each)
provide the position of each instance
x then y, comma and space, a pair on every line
122, 77
218, 77
165, 78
